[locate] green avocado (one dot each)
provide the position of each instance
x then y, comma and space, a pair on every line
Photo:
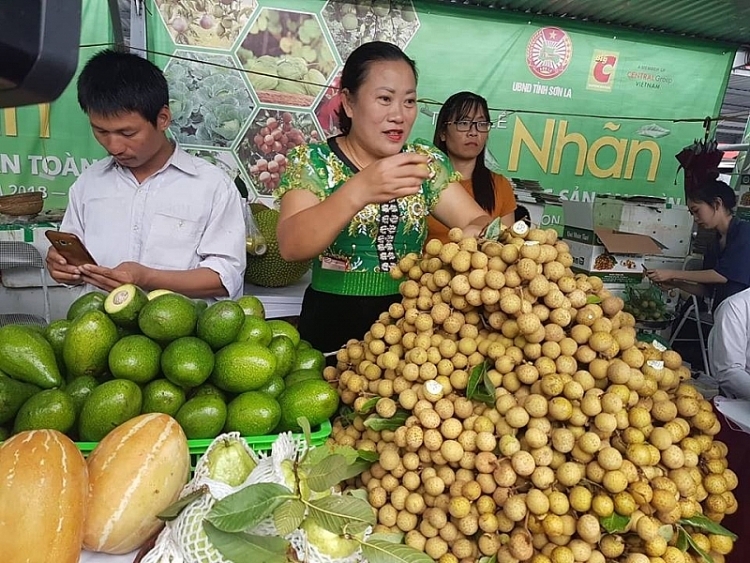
13, 394
316, 400
88, 343
124, 303
92, 301
27, 356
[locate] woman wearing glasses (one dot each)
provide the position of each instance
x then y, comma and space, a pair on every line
358, 203
463, 125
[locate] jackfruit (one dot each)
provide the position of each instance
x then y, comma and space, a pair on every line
270, 269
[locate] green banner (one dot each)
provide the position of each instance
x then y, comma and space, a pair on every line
584, 110
581, 108
46, 147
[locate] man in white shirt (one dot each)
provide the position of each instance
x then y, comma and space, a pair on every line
149, 214
729, 346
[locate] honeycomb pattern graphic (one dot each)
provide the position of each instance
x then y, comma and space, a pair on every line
209, 99
353, 23
326, 112
214, 24
288, 57
269, 138
248, 82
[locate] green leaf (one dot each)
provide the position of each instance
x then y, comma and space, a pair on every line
706, 524
355, 469
480, 386
319, 453
705, 556
174, 509
368, 406
396, 537
305, 425
329, 472
358, 493
289, 516
377, 423
366, 455
476, 375
248, 507
342, 514
682, 541
489, 387
593, 300
379, 551
247, 548
615, 523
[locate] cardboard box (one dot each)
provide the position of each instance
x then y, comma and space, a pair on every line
670, 225
601, 261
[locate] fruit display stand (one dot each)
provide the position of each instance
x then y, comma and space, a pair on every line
318, 437
281, 302
197, 448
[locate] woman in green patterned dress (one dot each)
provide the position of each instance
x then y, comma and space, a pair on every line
359, 202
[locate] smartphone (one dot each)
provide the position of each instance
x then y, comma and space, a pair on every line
70, 247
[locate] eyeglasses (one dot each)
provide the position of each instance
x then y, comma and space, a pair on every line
465, 125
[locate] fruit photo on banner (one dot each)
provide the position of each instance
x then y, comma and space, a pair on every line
207, 23
210, 101
288, 57
354, 23
271, 136
575, 130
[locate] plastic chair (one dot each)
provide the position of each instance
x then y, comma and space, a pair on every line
18, 254
691, 312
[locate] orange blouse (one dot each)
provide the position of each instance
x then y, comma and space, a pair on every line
505, 203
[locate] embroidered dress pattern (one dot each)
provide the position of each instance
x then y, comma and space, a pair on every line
379, 234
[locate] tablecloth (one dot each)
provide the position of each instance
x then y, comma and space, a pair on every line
90, 557
281, 301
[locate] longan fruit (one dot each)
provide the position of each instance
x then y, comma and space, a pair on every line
589, 530
436, 547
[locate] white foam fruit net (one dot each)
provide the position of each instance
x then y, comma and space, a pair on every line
183, 539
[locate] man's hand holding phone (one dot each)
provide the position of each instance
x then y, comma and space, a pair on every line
60, 270
65, 256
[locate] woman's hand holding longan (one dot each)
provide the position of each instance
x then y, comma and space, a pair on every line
393, 177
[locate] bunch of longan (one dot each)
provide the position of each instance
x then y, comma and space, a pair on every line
516, 415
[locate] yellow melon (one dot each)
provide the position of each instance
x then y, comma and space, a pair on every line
135, 472
43, 490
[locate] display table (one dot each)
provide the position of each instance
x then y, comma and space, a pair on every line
281, 301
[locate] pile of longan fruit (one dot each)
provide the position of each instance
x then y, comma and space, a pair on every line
517, 417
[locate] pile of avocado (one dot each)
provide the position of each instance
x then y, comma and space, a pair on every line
217, 368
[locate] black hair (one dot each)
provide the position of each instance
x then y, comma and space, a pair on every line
115, 82
358, 65
455, 108
522, 214
715, 191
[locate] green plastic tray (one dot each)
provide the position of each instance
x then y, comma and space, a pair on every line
258, 443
